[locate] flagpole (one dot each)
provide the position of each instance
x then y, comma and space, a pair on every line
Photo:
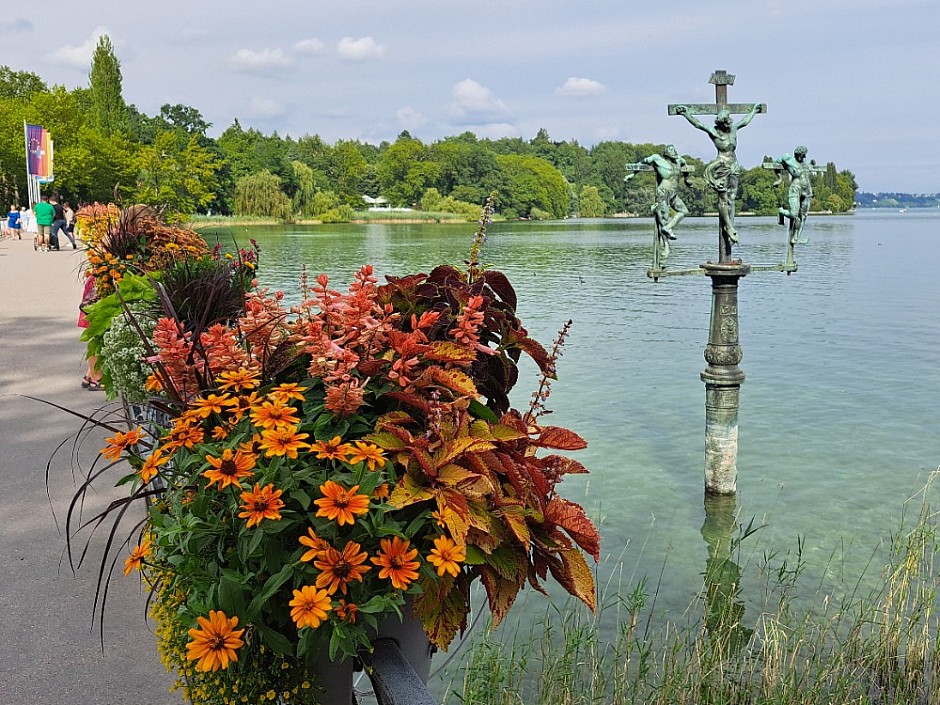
29, 179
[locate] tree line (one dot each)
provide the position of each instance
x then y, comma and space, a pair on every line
108, 150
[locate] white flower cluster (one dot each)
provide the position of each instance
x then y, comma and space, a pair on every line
124, 353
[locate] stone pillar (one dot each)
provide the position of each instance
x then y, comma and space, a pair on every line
722, 378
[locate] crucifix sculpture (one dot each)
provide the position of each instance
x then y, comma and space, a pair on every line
723, 173
670, 168
799, 193
722, 377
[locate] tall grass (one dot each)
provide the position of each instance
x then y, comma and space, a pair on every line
832, 643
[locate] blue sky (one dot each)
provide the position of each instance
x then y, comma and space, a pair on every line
856, 81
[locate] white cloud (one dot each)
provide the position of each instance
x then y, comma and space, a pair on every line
265, 107
410, 119
475, 101
602, 134
264, 60
359, 49
77, 56
495, 130
580, 87
309, 46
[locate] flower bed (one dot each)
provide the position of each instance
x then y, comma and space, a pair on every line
326, 461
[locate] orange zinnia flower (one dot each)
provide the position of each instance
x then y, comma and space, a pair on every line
149, 469
333, 449
184, 435
274, 415
212, 404
341, 505
446, 555
243, 405
137, 556
261, 503
283, 440
213, 645
397, 562
121, 441
153, 383
287, 391
230, 468
340, 569
253, 445
315, 544
237, 380
346, 611
366, 451
309, 606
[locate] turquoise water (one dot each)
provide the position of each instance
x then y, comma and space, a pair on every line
838, 419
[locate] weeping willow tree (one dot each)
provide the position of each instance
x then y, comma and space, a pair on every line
260, 194
306, 188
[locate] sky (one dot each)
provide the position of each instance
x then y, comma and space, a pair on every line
856, 81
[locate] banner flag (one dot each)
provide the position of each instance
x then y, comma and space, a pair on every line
38, 151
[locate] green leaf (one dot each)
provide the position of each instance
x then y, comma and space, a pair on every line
474, 556
231, 596
272, 585
279, 643
482, 411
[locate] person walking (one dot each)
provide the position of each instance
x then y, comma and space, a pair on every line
69, 222
92, 378
59, 225
45, 214
13, 223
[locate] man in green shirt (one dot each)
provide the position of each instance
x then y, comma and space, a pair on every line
45, 213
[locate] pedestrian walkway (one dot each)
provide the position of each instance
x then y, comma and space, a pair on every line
50, 652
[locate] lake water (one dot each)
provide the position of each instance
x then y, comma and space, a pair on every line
839, 413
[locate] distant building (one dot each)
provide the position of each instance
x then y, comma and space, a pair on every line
376, 204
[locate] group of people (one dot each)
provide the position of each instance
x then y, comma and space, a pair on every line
52, 219
45, 222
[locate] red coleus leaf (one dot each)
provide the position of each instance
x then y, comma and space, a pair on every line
571, 517
408, 492
455, 380
500, 591
558, 465
560, 438
573, 573
499, 283
443, 608
446, 351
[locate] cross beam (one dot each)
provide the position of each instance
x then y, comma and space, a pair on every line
721, 80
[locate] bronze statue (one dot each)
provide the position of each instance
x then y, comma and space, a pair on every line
669, 167
800, 194
723, 173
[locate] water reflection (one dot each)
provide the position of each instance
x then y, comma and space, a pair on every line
724, 608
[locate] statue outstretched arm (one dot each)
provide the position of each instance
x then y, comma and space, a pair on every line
746, 120
683, 110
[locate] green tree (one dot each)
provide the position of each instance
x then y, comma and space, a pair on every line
260, 194
590, 203
306, 188
347, 167
19, 84
531, 183
108, 110
176, 173
405, 171
757, 193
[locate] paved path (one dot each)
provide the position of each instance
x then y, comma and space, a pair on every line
50, 651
